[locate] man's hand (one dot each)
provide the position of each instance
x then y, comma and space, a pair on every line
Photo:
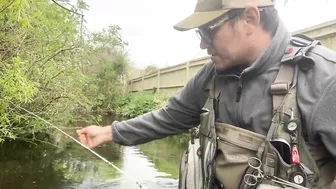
93, 135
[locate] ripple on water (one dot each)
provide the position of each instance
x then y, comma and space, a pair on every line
157, 183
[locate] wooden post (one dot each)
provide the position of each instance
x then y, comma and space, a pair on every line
187, 71
158, 80
129, 86
143, 82
132, 85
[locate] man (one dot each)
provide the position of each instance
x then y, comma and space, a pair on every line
248, 42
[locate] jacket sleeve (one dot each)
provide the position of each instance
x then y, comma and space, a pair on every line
181, 113
323, 121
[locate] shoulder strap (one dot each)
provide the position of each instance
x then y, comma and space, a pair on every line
281, 85
295, 55
284, 81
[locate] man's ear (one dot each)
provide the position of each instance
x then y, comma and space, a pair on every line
252, 19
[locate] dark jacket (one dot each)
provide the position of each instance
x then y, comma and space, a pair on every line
316, 90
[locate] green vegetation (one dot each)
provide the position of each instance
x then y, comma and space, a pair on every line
134, 104
53, 66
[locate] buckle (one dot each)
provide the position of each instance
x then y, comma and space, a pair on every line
280, 88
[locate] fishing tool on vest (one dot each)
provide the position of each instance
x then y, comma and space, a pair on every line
257, 175
291, 127
72, 138
284, 182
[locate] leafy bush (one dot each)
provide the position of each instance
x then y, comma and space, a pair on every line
52, 66
134, 104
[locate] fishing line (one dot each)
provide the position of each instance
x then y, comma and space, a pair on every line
102, 158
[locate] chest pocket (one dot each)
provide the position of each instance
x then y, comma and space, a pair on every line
235, 147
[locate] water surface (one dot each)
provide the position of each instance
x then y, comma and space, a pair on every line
27, 166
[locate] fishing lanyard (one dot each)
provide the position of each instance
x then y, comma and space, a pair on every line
102, 158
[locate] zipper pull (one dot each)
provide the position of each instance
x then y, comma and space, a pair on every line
239, 89
295, 155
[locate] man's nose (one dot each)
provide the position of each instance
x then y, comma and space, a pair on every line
204, 44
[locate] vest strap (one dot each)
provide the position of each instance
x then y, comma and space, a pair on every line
217, 92
282, 84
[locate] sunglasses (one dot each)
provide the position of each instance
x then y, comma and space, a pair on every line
208, 31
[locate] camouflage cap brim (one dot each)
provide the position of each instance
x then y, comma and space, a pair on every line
198, 19
208, 10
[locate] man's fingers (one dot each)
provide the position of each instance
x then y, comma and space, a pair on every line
82, 139
86, 135
81, 131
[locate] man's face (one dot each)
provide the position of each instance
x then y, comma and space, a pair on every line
226, 42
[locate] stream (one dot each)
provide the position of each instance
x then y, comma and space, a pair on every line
28, 166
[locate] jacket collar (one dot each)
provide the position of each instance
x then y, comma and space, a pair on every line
268, 58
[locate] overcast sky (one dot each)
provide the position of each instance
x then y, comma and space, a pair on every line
147, 25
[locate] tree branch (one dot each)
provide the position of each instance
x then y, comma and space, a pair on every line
51, 57
66, 8
53, 77
59, 52
6, 6
18, 47
51, 101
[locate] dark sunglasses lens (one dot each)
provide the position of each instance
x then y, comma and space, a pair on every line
199, 35
203, 35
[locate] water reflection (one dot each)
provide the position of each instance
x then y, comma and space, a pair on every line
27, 166
139, 169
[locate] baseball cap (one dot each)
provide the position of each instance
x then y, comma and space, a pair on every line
208, 10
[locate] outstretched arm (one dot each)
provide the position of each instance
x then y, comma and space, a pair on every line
181, 113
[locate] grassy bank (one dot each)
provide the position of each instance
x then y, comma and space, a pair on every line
134, 104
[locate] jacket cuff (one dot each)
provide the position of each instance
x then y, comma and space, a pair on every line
115, 133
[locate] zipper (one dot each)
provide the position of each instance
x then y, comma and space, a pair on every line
238, 98
231, 143
239, 89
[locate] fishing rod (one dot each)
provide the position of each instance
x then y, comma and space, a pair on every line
66, 134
